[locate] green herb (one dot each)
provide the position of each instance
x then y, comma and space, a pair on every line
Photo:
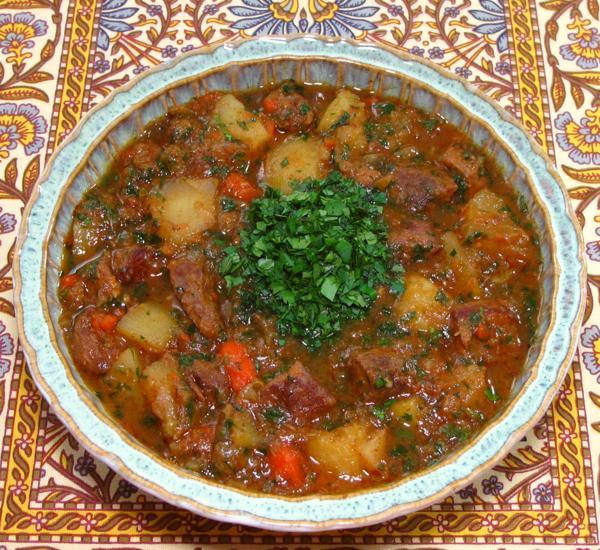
461, 186
399, 450
523, 204
380, 411
442, 297
228, 204
380, 382
451, 431
146, 238
385, 108
221, 126
392, 330
149, 420
274, 414
186, 360
345, 151
453, 252
474, 236
370, 129
344, 118
140, 291
304, 109
284, 162
492, 396
430, 124
314, 258
119, 412
476, 318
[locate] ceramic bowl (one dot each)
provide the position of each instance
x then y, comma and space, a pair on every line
84, 156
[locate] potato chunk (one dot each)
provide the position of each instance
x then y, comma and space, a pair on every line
349, 450
126, 368
168, 395
295, 159
408, 408
232, 118
184, 207
489, 227
122, 379
463, 262
243, 431
345, 108
419, 305
149, 324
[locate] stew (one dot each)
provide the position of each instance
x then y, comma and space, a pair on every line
301, 289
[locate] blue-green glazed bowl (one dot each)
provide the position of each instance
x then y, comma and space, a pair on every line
249, 64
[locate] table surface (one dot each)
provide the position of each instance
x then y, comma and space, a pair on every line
539, 60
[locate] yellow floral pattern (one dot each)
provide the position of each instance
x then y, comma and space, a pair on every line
58, 59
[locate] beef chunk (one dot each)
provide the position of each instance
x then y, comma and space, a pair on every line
413, 240
142, 154
467, 163
208, 383
137, 263
93, 349
415, 188
76, 294
290, 111
197, 443
382, 367
107, 284
303, 397
194, 285
485, 320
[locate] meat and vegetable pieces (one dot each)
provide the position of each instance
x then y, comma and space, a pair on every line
300, 394
94, 343
194, 284
301, 290
289, 109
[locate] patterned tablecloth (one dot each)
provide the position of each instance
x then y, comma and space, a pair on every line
541, 61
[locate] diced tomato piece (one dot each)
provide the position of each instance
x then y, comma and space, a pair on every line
238, 364
69, 281
287, 463
482, 332
105, 322
239, 187
270, 104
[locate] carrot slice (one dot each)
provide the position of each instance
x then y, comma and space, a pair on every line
270, 104
69, 281
238, 364
105, 322
287, 463
239, 187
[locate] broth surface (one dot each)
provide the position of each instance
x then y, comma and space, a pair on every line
301, 289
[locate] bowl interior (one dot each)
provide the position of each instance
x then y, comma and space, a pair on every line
251, 75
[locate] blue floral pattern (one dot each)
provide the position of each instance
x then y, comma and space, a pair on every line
112, 20
494, 21
345, 18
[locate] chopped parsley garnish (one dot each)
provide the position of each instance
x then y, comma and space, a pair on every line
228, 204
430, 124
492, 396
344, 118
274, 414
313, 258
221, 126
385, 108
453, 432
